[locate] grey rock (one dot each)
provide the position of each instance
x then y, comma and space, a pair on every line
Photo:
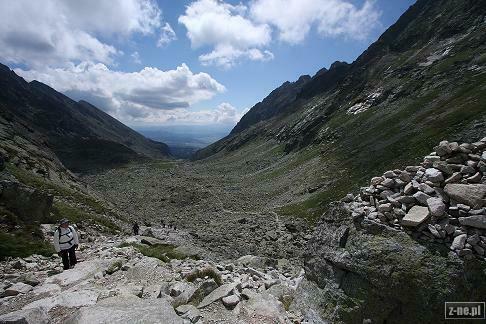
466, 169
127, 309
231, 301
443, 149
476, 178
443, 167
376, 181
455, 177
389, 183
18, 288
27, 316
390, 174
436, 207
459, 242
384, 208
434, 175
421, 197
426, 188
477, 221
189, 312
406, 199
434, 231
471, 194
473, 239
217, 294
408, 189
265, 306
415, 216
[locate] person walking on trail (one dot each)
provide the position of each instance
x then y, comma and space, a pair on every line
65, 243
136, 228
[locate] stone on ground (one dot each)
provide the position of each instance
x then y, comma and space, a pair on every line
415, 216
127, 309
472, 195
26, 316
217, 294
478, 221
231, 301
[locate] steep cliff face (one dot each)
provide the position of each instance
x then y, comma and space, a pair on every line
82, 136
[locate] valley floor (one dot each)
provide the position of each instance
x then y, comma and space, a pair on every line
226, 212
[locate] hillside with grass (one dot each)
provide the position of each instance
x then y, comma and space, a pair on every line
421, 82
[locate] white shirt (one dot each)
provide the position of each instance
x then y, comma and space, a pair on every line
66, 239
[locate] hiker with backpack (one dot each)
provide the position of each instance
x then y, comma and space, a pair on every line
65, 243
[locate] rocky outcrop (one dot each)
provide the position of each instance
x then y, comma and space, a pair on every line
28, 203
404, 245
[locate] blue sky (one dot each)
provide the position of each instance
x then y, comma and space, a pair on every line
184, 62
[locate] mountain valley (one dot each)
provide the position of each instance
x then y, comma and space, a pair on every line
356, 195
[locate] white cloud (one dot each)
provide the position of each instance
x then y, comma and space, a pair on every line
149, 95
136, 58
294, 18
167, 35
226, 29
55, 32
224, 113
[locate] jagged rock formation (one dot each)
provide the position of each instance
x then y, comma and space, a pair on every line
410, 241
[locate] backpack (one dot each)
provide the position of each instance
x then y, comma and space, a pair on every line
59, 232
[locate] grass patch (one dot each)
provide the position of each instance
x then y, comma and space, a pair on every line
205, 272
75, 215
22, 244
162, 165
300, 158
114, 267
30, 179
164, 252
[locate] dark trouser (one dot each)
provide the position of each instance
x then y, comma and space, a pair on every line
68, 258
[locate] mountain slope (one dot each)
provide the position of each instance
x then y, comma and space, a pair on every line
81, 135
422, 81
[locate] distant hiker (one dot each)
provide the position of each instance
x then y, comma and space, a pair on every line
66, 242
136, 228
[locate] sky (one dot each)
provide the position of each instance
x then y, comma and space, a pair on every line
181, 62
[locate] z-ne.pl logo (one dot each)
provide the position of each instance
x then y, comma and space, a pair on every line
465, 310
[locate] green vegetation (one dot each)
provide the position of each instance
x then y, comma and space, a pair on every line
22, 244
164, 252
384, 138
299, 159
62, 210
162, 164
29, 179
205, 272
114, 267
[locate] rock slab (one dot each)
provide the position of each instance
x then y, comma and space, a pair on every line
415, 216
